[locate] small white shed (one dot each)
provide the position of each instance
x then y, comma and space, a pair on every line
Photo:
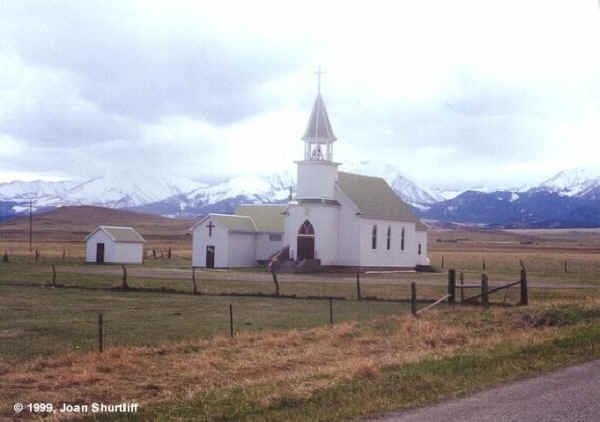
114, 244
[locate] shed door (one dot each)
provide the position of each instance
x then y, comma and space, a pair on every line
99, 253
210, 257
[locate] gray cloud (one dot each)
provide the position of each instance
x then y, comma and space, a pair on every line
110, 80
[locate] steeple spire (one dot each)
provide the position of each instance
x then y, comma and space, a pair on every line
318, 132
319, 129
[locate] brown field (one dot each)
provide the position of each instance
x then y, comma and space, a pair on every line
168, 351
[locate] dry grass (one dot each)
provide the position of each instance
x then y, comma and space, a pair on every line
300, 361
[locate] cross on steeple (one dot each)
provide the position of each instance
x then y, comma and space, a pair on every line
210, 227
319, 72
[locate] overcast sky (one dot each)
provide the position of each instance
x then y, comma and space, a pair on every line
459, 93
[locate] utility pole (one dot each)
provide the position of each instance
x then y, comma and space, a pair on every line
30, 225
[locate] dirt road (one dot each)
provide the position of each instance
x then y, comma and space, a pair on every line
572, 394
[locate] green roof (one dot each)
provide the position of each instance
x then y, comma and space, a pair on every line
421, 227
268, 218
237, 223
376, 199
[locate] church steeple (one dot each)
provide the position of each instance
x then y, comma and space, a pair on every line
319, 131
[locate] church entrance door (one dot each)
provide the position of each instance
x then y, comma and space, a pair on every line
306, 241
210, 257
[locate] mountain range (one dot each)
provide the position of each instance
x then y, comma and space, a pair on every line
571, 198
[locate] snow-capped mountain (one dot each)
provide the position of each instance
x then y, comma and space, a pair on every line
125, 189
224, 196
579, 181
185, 197
569, 199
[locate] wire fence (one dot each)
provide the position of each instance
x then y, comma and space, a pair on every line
86, 322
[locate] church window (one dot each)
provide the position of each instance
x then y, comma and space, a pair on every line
374, 237
402, 235
419, 250
274, 237
306, 229
389, 237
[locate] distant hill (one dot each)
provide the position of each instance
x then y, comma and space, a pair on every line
571, 198
73, 223
535, 208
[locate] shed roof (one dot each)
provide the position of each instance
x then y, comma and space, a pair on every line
119, 234
267, 218
376, 199
238, 223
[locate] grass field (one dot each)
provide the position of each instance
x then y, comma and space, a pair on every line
171, 351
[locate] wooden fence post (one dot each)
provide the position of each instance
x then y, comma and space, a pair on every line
330, 311
413, 298
5, 256
566, 266
100, 333
124, 285
522, 264
462, 289
37, 255
275, 281
64, 254
231, 320
358, 294
169, 253
484, 290
451, 286
53, 275
483, 264
194, 287
524, 293
442, 261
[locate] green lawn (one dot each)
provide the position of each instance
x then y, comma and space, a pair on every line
36, 320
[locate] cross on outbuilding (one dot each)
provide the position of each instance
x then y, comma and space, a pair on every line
210, 227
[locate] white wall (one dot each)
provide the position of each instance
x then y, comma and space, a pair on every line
242, 250
316, 179
324, 219
265, 247
421, 237
381, 256
114, 252
90, 247
128, 253
219, 239
348, 231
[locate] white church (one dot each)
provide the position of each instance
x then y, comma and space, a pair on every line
336, 219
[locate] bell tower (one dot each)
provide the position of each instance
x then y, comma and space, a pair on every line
317, 173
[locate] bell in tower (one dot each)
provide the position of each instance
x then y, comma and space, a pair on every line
318, 135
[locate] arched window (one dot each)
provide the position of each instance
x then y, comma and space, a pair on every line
419, 250
402, 235
389, 237
306, 229
374, 237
